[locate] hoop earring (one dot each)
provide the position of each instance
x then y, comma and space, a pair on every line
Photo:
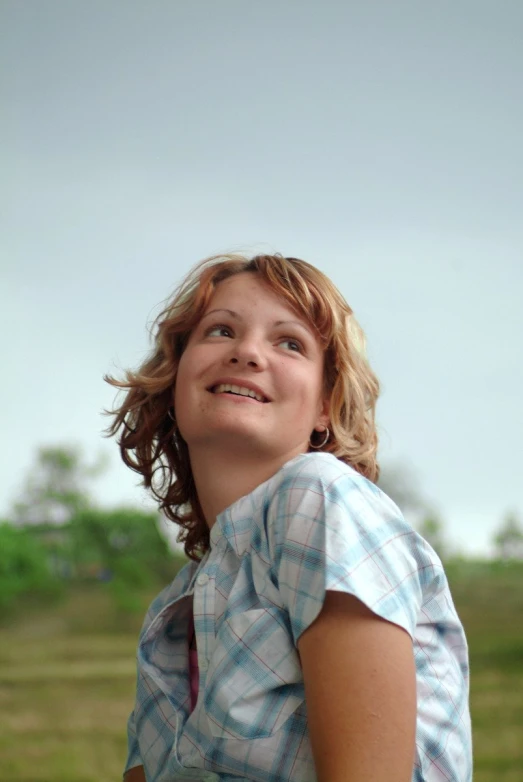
170, 414
323, 442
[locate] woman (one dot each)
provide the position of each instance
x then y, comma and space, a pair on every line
312, 636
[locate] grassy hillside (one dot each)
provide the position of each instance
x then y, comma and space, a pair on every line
67, 680
489, 599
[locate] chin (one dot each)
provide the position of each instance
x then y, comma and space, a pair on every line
226, 432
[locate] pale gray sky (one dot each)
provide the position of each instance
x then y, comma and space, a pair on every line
380, 141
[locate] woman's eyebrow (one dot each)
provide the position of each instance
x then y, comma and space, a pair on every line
293, 323
232, 313
237, 316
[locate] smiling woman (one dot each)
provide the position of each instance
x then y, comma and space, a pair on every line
250, 340
252, 422
148, 421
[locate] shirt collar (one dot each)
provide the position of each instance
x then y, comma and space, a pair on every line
234, 525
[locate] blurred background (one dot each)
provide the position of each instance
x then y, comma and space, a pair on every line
380, 142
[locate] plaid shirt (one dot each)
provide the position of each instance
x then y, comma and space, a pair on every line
316, 525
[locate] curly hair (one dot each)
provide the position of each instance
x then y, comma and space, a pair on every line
149, 440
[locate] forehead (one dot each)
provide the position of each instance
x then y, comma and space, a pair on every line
246, 293
247, 298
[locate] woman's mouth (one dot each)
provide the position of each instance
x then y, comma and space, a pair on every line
230, 388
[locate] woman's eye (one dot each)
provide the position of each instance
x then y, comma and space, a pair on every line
218, 331
292, 344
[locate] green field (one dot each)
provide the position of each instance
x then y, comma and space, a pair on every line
67, 679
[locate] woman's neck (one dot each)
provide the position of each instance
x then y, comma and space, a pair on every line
222, 478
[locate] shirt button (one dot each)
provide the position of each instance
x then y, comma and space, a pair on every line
204, 664
202, 579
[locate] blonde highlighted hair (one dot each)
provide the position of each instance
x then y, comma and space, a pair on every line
149, 440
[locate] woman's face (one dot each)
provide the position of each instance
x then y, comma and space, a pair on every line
251, 377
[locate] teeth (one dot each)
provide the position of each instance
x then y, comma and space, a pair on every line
224, 388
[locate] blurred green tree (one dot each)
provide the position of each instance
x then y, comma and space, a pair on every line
24, 568
508, 540
123, 546
57, 486
66, 536
112, 537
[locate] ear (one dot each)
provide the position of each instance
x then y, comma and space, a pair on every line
323, 416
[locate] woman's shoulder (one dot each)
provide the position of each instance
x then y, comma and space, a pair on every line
317, 463
325, 467
330, 527
325, 473
319, 497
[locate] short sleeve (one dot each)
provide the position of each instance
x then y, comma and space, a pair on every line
332, 529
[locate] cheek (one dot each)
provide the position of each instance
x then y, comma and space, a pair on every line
306, 391
317, 395
182, 399
182, 382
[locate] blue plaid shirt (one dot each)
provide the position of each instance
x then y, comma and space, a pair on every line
316, 525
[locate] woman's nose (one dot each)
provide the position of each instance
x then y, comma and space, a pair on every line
249, 353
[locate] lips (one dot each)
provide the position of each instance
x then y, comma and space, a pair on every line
239, 387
